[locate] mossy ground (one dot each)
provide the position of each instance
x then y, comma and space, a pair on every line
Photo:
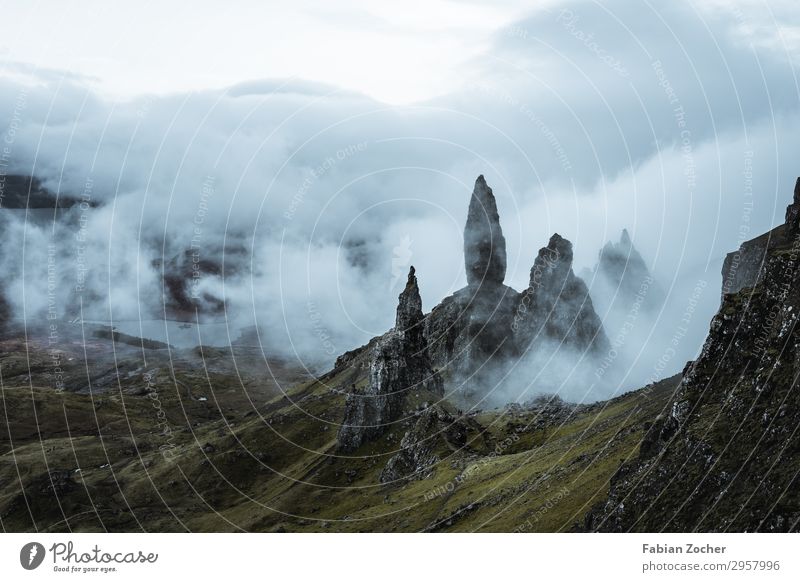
241, 452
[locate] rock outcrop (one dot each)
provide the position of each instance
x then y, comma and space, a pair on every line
471, 329
399, 368
472, 336
556, 306
484, 243
744, 267
621, 278
470, 332
723, 456
435, 430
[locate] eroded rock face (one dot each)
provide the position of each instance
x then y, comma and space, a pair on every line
399, 367
484, 243
745, 266
474, 335
471, 329
725, 455
556, 306
434, 430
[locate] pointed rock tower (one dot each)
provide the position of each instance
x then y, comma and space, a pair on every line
484, 243
556, 306
621, 278
472, 328
399, 368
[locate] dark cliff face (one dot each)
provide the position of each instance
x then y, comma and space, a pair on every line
724, 454
744, 267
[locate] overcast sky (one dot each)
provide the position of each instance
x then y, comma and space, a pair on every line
394, 52
668, 119
391, 51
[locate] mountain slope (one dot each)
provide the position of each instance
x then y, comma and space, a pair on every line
726, 457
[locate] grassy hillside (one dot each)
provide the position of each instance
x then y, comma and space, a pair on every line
177, 446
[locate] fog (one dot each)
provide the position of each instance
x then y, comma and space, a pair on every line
674, 123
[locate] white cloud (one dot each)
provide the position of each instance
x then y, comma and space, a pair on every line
323, 184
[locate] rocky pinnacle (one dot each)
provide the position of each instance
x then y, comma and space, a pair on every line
484, 244
553, 264
409, 306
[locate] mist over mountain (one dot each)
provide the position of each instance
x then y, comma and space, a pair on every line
475, 266
327, 189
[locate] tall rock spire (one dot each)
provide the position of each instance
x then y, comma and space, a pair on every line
622, 280
484, 243
399, 365
409, 305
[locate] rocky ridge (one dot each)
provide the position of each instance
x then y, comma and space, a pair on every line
722, 457
474, 335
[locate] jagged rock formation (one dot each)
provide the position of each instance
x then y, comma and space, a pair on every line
472, 328
484, 243
473, 335
622, 278
399, 367
435, 429
745, 266
556, 305
723, 457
